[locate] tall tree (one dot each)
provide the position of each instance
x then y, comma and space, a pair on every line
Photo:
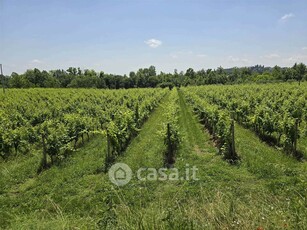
300, 70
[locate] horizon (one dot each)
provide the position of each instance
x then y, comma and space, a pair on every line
118, 37
158, 72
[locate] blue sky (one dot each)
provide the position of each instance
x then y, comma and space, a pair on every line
121, 36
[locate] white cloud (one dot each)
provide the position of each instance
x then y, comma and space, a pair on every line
153, 43
271, 56
232, 59
304, 48
295, 58
36, 61
287, 16
236, 59
201, 55
181, 54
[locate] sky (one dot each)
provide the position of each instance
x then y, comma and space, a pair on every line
119, 36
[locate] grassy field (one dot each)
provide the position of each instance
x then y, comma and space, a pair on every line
266, 190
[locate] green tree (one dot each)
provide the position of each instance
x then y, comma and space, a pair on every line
277, 73
300, 70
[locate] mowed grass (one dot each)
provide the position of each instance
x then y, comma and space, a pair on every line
267, 189
60, 197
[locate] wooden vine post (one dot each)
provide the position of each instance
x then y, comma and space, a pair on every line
169, 145
233, 148
108, 154
137, 116
232, 133
2, 78
295, 136
44, 159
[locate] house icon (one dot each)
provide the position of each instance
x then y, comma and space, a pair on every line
120, 174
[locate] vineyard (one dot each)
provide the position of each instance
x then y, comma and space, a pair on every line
249, 143
277, 115
47, 120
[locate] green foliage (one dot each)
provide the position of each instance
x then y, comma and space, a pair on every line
55, 138
170, 129
148, 77
270, 110
54, 119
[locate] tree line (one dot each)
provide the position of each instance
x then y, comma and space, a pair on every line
148, 77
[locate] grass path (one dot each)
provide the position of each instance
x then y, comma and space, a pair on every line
146, 150
59, 197
263, 160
